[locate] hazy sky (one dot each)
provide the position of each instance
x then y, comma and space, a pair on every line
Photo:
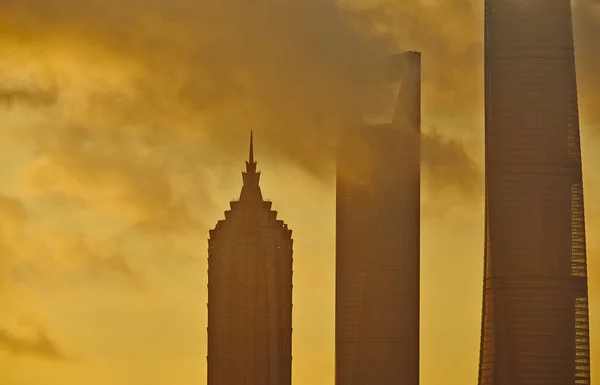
123, 133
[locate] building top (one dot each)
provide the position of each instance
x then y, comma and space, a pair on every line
405, 64
251, 178
251, 209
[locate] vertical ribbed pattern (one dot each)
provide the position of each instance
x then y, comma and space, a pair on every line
535, 327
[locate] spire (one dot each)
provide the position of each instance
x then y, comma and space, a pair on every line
251, 178
251, 157
251, 164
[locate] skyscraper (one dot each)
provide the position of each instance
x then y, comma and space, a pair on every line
535, 327
250, 292
377, 244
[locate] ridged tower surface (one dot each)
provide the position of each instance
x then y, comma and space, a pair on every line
250, 292
535, 327
377, 246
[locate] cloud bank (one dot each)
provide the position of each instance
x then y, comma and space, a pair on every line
163, 73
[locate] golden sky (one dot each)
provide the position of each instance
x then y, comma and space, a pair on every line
123, 131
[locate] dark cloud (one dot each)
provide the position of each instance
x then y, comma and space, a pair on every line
31, 97
39, 345
450, 166
297, 72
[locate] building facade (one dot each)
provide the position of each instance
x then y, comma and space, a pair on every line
250, 292
377, 244
535, 327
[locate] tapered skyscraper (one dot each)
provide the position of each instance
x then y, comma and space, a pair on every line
250, 292
535, 328
377, 244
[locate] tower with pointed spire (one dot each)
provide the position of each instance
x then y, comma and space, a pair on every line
250, 291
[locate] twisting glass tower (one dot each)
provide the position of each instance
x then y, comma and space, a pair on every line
377, 244
535, 327
250, 292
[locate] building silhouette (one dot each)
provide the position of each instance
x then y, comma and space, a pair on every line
377, 244
250, 292
535, 327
